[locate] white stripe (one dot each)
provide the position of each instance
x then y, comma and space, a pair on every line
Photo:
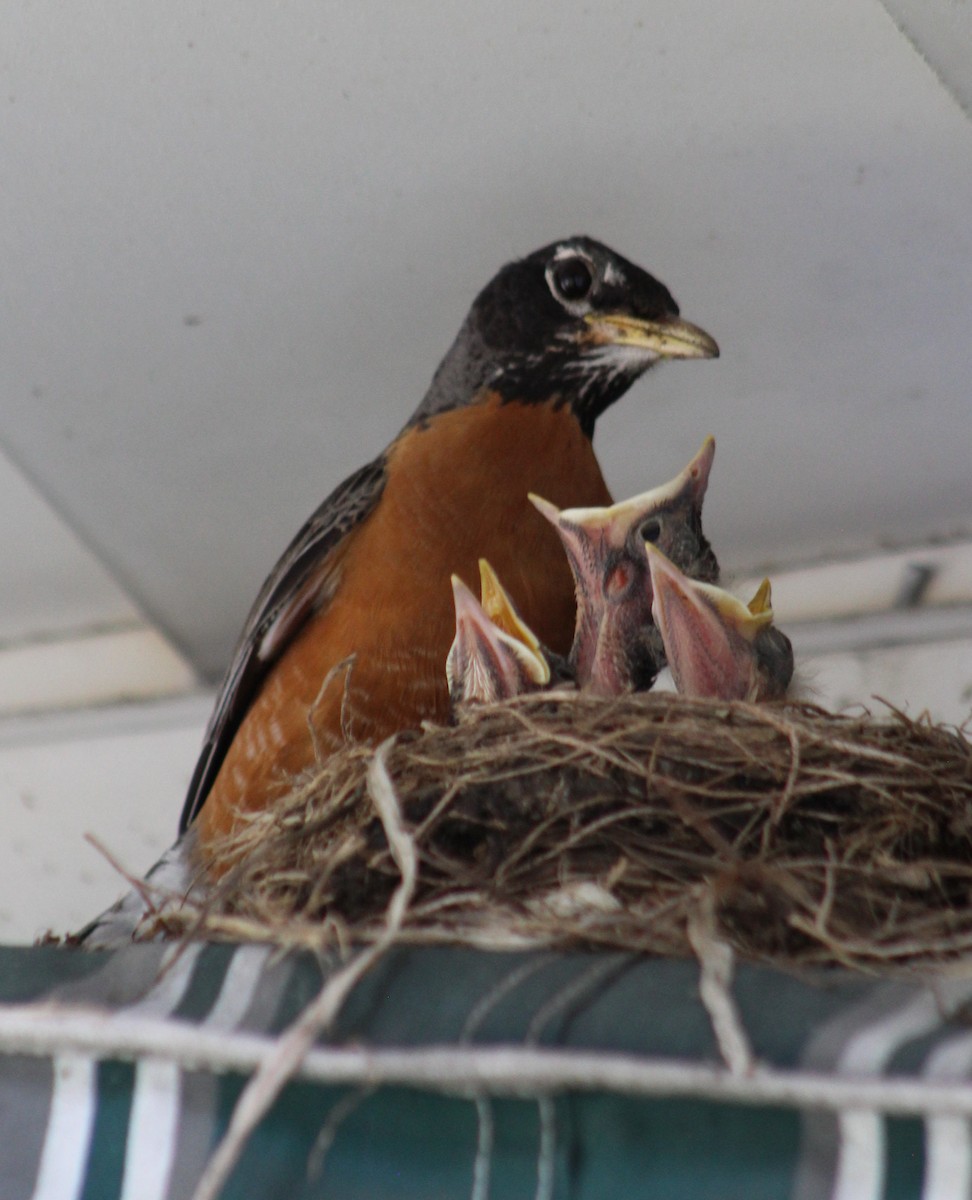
948, 1165
153, 1127
236, 994
152, 1120
153, 1116
175, 972
547, 1152
860, 1162
74, 1097
948, 1152
69, 1124
485, 1137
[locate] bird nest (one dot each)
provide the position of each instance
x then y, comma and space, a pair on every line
565, 820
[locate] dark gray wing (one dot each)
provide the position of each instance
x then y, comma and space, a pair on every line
300, 584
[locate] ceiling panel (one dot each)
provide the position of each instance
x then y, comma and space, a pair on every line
53, 585
237, 239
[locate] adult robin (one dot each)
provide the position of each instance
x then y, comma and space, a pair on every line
616, 646
716, 645
348, 638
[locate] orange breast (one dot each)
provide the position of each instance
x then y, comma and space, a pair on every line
456, 491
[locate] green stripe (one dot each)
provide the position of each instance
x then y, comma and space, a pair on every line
26, 972
416, 1146
106, 1161
207, 979
905, 1158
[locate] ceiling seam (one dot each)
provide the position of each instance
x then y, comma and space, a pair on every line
963, 106
93, 547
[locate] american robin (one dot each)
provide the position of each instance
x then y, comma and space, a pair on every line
717, 646
495, 654
616, 647
348, 638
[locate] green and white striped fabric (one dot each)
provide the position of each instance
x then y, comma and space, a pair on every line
463, 1073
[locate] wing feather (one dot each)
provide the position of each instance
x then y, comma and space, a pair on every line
300, 585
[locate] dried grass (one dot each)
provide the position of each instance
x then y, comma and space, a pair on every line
562, 819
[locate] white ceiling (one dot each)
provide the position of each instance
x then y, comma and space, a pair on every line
237, 239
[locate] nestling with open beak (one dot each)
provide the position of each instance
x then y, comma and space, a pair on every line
495, 654
616, 647
716, 645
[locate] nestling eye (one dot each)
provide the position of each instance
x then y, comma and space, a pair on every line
651, 530
571, 279
617, 580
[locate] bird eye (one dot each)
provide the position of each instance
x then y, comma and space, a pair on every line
651, 530
617, 579
571, 279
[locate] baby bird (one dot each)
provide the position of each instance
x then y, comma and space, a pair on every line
616, 646
715, 645
495, 654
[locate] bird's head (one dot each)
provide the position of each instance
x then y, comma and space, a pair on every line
716, 645
613, 649
574, 323
494, 655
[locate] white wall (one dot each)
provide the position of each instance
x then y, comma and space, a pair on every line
118, 773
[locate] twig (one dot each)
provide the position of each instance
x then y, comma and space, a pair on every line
346, 665
547, 1151
485, 1133
48, 1028
338, 1114
145, 890
715, 987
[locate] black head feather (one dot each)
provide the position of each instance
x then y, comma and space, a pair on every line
528, 335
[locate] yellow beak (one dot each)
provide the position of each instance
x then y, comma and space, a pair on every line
665, 337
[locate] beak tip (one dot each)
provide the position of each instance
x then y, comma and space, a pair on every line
550, 511
694, 343
707, 347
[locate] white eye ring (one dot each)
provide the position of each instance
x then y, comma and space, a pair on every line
571, 277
